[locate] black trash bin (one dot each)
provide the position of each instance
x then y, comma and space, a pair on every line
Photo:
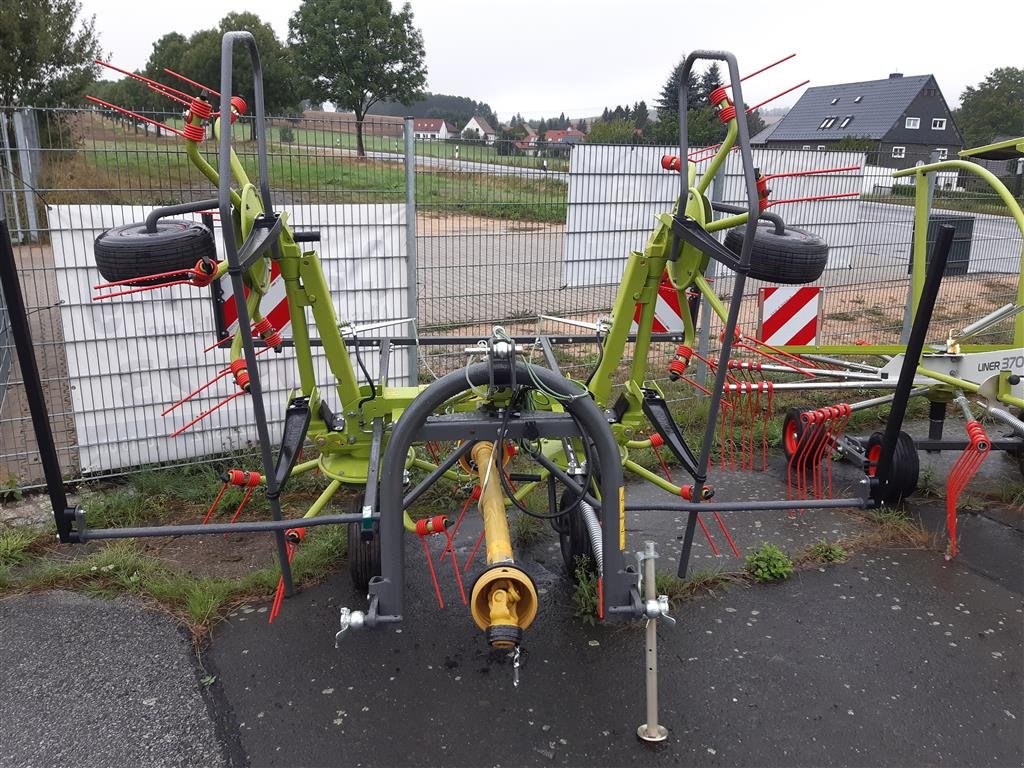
960, 252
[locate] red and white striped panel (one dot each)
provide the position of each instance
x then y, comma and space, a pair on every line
789, 315
666, 312
274, 304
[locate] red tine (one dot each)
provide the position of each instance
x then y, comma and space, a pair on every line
812, 198
133, 114
207, 412
813, 172
762, 69
191, 82
165, 88
777, 95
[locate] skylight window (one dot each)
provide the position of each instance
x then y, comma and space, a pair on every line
834, 101
846, 121
828, 122
857, 99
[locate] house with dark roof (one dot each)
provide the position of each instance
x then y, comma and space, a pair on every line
906, 118
480, 128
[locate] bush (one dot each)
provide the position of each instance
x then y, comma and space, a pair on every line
287, 134
769, 563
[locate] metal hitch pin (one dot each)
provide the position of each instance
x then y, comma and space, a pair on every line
349, 619
515, 666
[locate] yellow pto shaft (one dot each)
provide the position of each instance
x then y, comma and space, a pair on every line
504, 601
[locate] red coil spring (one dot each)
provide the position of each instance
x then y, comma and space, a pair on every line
727, 113
200, 108
238, 107
240, 373
201, 278
718, 95
295, 535
670, 162
242, 478
194, 132
429, 525
262, 327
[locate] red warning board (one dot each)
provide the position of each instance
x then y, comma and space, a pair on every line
274, 305
789, 315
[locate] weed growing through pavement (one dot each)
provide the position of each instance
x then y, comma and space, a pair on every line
584, 597
526, 530
826, 551
769, 563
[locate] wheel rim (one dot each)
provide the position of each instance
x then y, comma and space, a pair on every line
874, 453
790, 437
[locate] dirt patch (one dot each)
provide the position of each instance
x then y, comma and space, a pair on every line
229, 556
444, 225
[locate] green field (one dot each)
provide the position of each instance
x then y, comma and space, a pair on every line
477, 153
137, 169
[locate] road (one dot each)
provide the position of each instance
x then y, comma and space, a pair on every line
893, 658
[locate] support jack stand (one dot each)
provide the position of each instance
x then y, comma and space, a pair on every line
655, 608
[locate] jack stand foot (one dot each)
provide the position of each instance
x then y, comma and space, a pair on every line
660, 733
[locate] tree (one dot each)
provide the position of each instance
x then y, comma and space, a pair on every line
711, 79
993, 107
612, 132
640, 115
668, 101
357, 52
46, 52
755, 123
201, 62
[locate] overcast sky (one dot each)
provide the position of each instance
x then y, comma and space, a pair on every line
541, 58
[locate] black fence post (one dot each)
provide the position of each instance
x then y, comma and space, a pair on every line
33, 384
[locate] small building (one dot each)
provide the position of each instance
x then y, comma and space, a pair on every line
481, 128
571, 136
432, 128
905, 118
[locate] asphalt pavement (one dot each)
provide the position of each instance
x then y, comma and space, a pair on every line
896, 657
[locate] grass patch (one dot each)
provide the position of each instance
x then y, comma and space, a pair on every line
928, 484
526, 530
895, 527
1012, 493
823, 551
122, 567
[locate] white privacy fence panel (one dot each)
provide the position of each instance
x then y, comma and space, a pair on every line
616, 191
131, 357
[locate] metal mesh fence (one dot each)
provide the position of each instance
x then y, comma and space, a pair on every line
501, 237
97, 170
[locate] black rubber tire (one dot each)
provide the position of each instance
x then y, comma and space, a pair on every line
906, 466
130, 252
795, 257
575, 542
363, 555
792, 430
